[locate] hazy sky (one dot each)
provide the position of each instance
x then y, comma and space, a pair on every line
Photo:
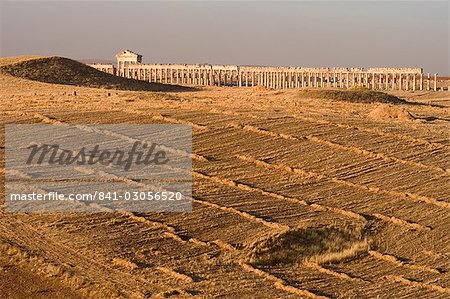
299, 33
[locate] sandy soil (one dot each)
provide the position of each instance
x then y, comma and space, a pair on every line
265, 162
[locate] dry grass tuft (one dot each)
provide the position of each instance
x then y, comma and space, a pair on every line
320, 245
357, 95
59, 70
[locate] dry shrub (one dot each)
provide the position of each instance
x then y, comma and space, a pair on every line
60, 70
321, 245
356, 95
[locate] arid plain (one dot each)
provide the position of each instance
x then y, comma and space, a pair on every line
293, 197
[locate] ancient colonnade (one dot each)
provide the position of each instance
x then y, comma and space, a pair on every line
280, 78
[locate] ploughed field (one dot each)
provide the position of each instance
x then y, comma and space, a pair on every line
294, 196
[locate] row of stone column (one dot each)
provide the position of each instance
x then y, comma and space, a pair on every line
185, 76
283, 79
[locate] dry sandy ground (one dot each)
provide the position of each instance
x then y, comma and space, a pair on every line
265, 162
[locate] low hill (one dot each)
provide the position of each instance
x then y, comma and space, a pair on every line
60, 70
354, 96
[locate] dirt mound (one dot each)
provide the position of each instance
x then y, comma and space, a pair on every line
354, 96
59, 70
323, 244
389, 111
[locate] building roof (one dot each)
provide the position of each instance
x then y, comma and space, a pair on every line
127, 52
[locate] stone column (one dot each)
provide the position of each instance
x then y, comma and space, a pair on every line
421, 82
407, 82
277, 79
393, 81
400, 81
428, 81
435, 82
414, 83
239, 78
